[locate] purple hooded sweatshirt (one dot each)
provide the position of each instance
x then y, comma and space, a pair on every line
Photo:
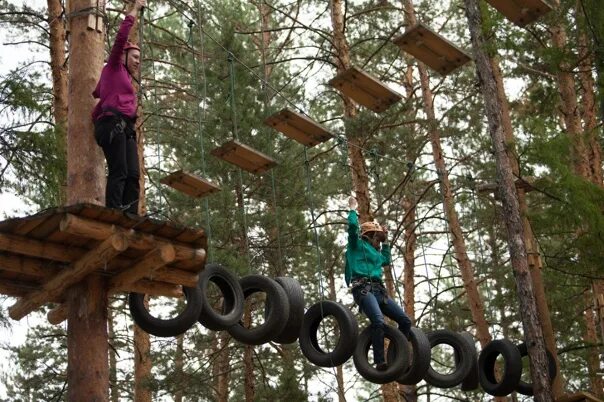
114, 88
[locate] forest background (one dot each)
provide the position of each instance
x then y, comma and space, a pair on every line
284, 54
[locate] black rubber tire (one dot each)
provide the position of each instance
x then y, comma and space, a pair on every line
396, 366
526, 388
294, 293
172, 326
232, 306
276, 311
349, 333
512, 368
420, 358
462, 367
471, 382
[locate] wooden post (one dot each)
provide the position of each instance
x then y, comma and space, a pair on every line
87, 340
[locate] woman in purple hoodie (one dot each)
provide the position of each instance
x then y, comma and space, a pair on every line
114, 118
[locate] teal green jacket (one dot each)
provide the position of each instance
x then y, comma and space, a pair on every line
361, 258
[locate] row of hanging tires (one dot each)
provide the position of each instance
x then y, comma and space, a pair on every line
285, 322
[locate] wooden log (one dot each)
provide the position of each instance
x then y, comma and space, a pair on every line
27, 266
91, 261
153, 260
78, 226
16, 288
176, 276
154, 288
36, 248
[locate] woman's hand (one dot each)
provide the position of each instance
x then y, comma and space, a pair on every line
352, 203
385, 230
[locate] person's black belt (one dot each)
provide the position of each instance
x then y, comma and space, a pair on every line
364, 280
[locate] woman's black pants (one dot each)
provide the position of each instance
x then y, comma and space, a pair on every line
117, 137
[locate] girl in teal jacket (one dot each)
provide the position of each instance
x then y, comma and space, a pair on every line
364, 261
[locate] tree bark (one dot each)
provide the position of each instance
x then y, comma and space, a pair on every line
179, 364
568, 97
248, 361
87, 342
459, 245
224, 367
513, 221
589, 112
114, 389
590, 337
358, 168
339, 369
58, 69
87, 339
142, 363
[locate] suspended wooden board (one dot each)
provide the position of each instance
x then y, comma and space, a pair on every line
42, 255
521, 12
189, 184
525, 183
579, 397
298, 127
432, 49
245, 157
365, 89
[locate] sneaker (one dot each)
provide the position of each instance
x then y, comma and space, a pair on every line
381, 367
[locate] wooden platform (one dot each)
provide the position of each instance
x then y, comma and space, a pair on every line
525, 183
42, 255
579, 397
190, 184
298, 127
432, 49
521, 12
365, 89
245, 157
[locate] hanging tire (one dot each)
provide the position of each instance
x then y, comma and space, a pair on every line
348, 329
462, 367
172, 326
420, 358
526, 388
471, 382
512, 369
398, 356
276, 311
295, 295
232, 295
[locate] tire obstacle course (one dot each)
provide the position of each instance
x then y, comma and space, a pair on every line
285, 322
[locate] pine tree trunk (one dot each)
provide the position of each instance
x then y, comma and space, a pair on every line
513, 221
179, 364
248, 361
142, 363
568, 96
532, 249
590, 337
58, 68
339, 370
459, 245
598, 290
224, 367
358, 168
87, 339
588, 105
114, 388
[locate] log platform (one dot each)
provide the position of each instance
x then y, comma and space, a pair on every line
42, 255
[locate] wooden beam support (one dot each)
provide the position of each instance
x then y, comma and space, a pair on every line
176, 276
91, 261
36, 248
89, 228
27, 266
16, 288
154, 288
153, 260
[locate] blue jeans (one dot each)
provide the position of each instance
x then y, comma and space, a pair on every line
375, 303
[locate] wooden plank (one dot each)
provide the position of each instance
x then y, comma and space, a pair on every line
432, 49
365, 89
153, 260
175, 276
154, 288
92, 260
298, 127
524, 183
190, 184
244, 156
17, 288
521, 12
